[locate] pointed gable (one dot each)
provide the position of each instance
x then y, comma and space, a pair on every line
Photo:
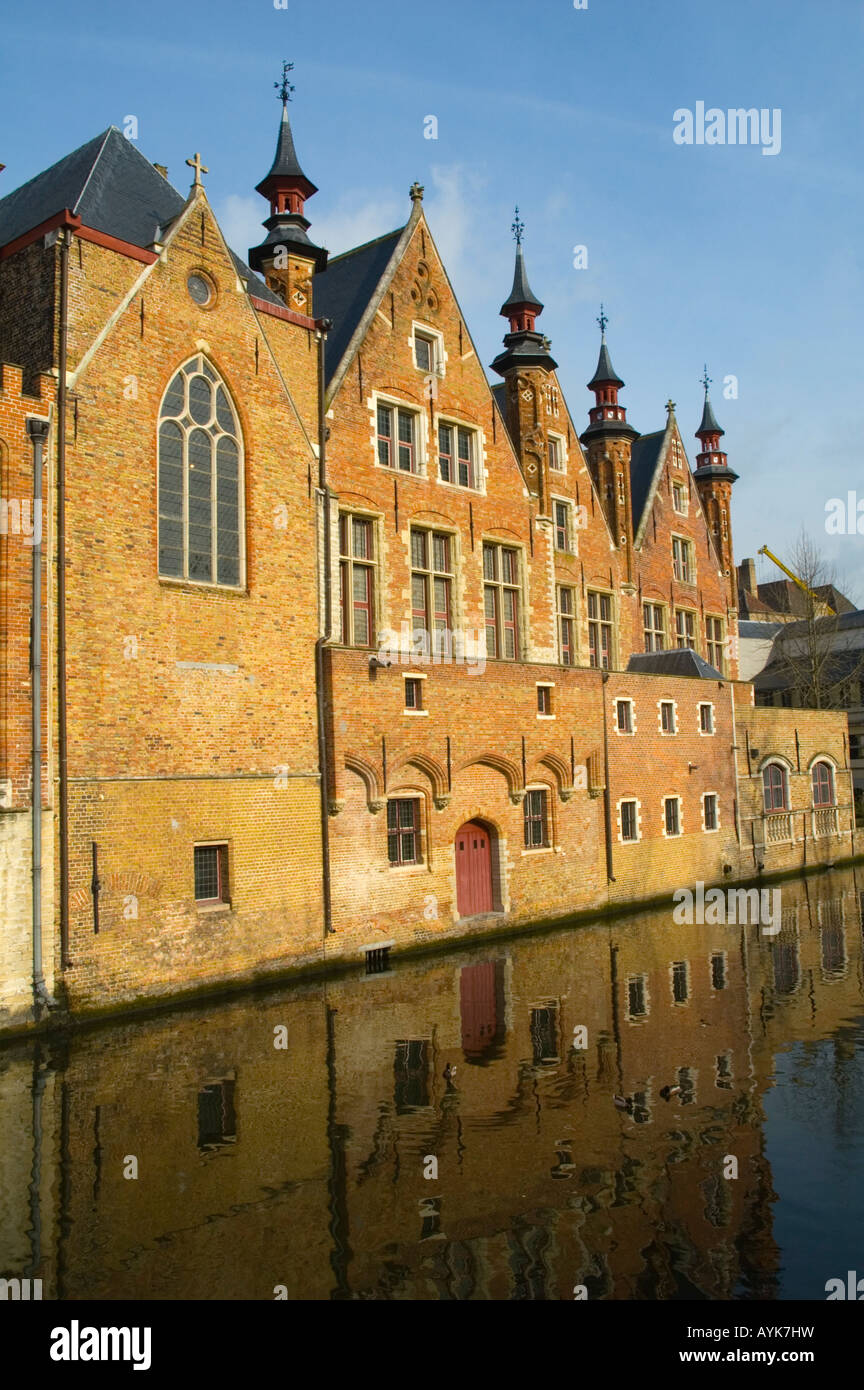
344, 291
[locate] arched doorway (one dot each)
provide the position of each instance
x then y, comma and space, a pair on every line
474, 851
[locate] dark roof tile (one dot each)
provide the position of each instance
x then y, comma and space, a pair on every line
344, 289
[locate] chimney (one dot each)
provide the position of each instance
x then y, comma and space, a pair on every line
747, 577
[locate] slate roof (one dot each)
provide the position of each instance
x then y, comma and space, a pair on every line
110, 185
644, 454
521, 292
751, 629
678, 662
709, 423
107, 182
344, 289
285, 162
605, 371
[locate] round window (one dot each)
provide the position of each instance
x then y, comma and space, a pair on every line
200, 288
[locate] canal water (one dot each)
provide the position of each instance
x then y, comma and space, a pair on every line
637, 1109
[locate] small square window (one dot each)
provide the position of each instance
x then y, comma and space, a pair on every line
706, 719
413, 693
544, 699
624, 716
628, 821
667, 716
211, 874
710, 802
673, 816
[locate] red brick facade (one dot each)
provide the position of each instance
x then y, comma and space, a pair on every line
192, 714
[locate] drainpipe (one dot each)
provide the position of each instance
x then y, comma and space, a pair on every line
37, 431
62, 741
607, 794
323, 327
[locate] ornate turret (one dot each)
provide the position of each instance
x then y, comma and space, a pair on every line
527, 366
714, 479
286, 257
608, 441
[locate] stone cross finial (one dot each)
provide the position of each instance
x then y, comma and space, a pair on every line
416, 192
670, 406
195, 163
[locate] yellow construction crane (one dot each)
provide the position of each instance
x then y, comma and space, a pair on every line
763, 550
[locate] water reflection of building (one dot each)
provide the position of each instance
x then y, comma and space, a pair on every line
261, 1166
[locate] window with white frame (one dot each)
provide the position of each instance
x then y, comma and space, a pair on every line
714, 643
356, 579
457, 454
654, 627
428, 347
398, 438
668, 722
679, 498
600, 629
683, 565
624, 720
556, 453
563, 536
566, 627
685, 628
431, 587
629, 814
501, 600
706, 719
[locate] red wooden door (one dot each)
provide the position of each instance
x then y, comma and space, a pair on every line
473, 870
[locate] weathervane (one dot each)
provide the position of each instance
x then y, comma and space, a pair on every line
517, 229
705, 378
285, 88
602, 320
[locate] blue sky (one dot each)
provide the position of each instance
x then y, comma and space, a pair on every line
715, 253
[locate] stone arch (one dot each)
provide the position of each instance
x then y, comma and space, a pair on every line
561, 772
508, 770
432, 769
369, 777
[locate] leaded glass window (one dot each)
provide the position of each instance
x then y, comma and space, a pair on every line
200, 458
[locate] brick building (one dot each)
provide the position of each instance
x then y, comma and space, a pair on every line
349, 649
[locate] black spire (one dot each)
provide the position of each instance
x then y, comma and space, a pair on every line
523, 345
709, 423
605, 373
287, 188
521, 295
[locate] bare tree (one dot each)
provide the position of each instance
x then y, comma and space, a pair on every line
814, 658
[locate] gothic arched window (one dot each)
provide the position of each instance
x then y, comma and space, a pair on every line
200, 472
